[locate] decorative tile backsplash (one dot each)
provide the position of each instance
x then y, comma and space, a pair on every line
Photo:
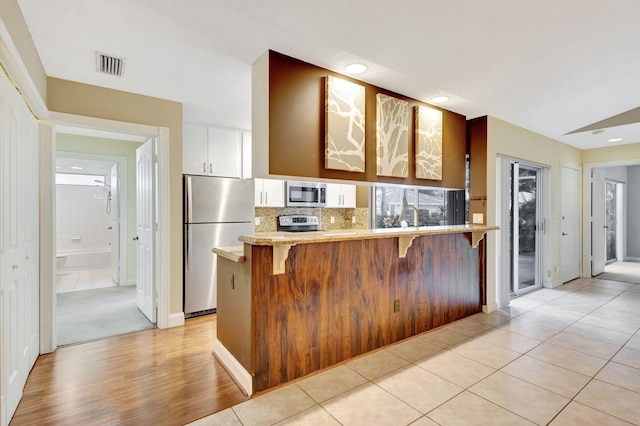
342, 217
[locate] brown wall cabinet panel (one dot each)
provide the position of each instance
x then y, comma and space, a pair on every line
336, 300
297, 126
477, 147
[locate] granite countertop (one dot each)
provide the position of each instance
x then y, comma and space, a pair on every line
235, 253
293, 238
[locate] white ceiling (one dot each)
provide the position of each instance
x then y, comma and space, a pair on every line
550, 66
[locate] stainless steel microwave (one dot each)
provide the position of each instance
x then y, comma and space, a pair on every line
306, 194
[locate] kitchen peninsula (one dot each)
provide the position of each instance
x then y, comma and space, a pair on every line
290, 304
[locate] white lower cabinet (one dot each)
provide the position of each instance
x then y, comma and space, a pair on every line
269, 193
341, 196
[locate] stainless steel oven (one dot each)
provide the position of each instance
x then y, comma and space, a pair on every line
306, 194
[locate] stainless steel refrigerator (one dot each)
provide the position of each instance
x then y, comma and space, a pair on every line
216, 212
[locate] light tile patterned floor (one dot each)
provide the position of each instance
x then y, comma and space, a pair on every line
565, 356
84, 280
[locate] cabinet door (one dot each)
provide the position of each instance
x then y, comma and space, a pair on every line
349, 196
259, 192
194, 149
225, 152
334, 195
273, 193
341, 196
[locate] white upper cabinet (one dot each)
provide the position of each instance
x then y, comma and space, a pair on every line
195, 159
269, 193
225, 152
211, 151
341, 196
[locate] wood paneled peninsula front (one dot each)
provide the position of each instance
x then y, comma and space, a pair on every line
290, 304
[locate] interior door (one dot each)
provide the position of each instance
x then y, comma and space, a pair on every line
19, 247
598, 227
114, 229
570, 225
146, 225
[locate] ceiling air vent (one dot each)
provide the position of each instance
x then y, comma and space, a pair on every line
109, 64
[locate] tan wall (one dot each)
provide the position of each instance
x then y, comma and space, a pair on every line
91, 145
12, 18
615, 153
92, 101
512, 141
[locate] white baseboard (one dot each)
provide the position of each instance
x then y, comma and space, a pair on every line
552, 284
231, 364
176, 320
489, 308
131, 282
633, 259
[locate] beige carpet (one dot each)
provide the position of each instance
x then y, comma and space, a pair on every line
622, 271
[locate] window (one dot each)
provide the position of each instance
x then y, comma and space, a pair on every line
79, 179
418, 206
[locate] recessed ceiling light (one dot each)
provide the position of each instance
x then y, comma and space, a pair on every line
615, 140
76, 167
356, 68
439, 99
597, 132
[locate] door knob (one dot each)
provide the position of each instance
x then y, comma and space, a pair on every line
135, 238
563, 234
110, 227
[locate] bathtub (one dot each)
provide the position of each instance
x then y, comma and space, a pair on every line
89, 259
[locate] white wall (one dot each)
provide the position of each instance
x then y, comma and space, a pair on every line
618, 173
633, 207
93, 145
81, 218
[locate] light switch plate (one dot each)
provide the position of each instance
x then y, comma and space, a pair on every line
353, 219
333, 219
257, 221
478, 218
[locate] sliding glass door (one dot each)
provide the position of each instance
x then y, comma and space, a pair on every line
526, 227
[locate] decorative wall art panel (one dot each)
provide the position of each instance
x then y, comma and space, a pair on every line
344, 135
428, 143
392, 134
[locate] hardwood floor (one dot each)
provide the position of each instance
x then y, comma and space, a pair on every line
167, 377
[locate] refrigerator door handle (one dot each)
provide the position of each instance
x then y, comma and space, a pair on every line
189, 202
187, 247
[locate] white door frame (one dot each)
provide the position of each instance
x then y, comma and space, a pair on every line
122, 205
47, 330
503, 269
586, 206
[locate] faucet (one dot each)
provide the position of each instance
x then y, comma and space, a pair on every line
403, 223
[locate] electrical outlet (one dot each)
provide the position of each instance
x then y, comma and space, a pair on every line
478, 218
353, 219
333, 219
257, 221
396, 305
